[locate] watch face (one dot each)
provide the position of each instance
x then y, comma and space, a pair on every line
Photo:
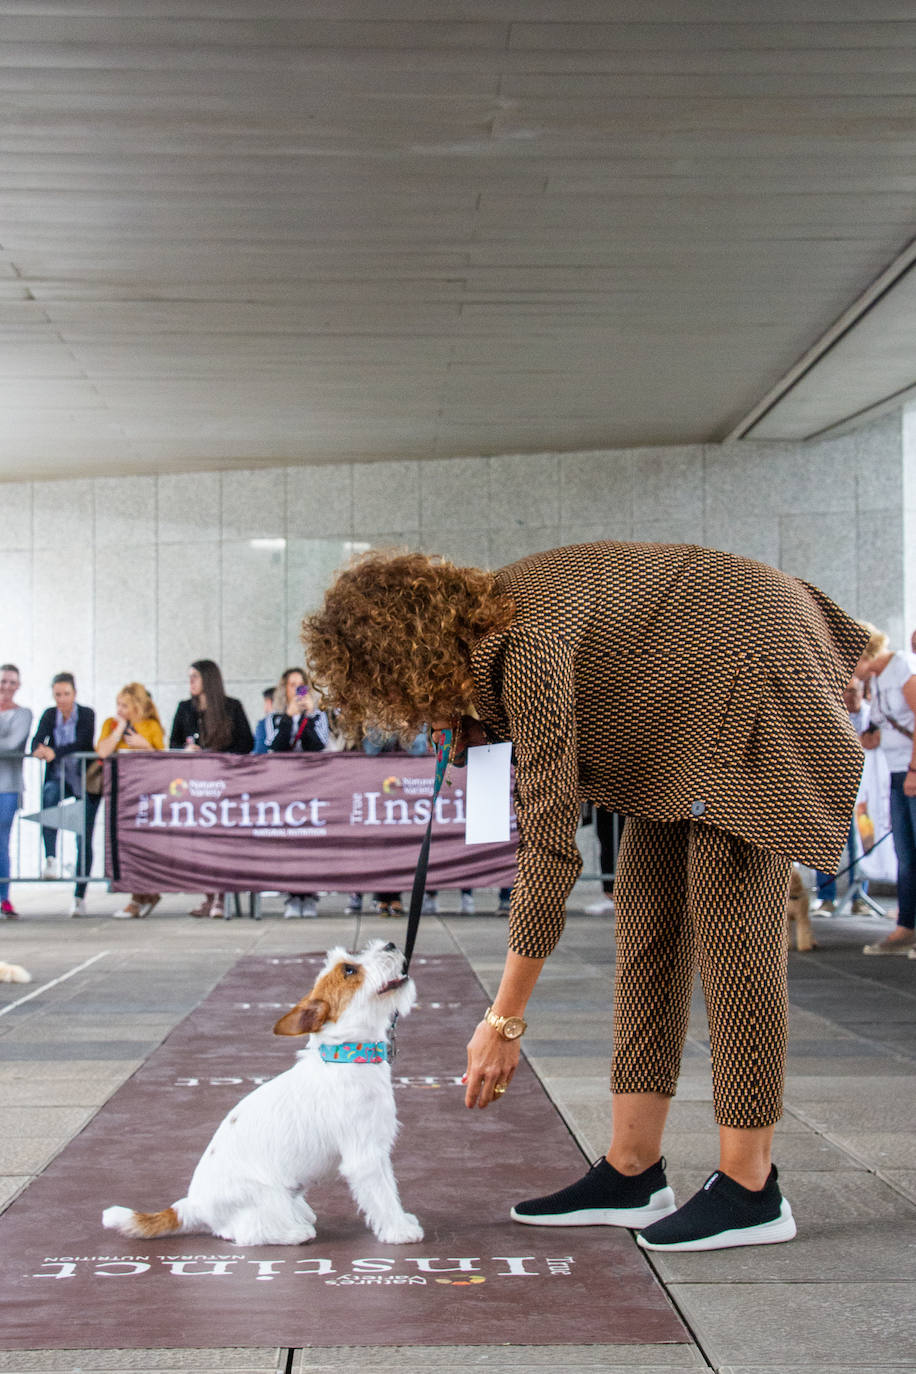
513, 1028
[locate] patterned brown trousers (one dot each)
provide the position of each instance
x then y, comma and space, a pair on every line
689, 896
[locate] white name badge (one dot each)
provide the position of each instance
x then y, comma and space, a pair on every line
487, 794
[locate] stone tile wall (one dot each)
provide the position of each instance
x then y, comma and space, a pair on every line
133, 577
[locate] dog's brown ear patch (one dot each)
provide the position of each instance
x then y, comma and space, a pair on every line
303, 1018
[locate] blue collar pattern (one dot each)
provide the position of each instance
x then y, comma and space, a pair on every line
357, 1052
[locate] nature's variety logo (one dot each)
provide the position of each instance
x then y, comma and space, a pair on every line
390, 784
177, 787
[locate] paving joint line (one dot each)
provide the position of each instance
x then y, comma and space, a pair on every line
799, 1114
857, 977
46, 987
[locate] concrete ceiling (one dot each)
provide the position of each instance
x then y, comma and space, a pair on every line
240, 233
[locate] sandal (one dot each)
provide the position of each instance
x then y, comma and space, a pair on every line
149, 902
130, 911
204, 908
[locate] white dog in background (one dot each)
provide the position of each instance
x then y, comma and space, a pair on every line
334, 1109
14, 973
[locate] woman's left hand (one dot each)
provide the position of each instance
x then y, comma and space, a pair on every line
492, 1061
909, 783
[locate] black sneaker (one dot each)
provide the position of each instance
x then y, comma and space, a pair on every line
724, 1214
603, 1197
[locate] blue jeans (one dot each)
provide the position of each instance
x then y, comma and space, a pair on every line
9, 803
903, 825
53, 792
826, 882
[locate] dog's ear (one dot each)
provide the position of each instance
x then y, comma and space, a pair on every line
304, 1017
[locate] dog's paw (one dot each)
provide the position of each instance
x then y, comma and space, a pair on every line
405, 1231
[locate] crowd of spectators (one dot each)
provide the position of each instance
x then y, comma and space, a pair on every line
881, 700
207, 719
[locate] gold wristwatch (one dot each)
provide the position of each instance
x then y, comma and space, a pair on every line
509, 1027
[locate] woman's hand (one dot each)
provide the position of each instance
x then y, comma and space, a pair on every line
107, 746
909, 783
134, 740
491, 1061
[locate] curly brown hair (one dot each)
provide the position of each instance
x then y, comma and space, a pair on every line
391, 645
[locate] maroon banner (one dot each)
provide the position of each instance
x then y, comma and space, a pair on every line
197, 822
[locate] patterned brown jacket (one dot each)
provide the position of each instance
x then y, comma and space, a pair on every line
668, 681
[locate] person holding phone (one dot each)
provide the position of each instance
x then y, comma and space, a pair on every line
301, 728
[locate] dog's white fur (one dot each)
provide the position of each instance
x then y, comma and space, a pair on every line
14, 973
249, 1186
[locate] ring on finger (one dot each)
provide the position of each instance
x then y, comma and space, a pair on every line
499, 1089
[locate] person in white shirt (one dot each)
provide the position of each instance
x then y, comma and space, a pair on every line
891, 676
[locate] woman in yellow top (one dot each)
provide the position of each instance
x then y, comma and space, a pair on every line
136, 726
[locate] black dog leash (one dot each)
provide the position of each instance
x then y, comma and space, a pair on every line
860, 857
443, 755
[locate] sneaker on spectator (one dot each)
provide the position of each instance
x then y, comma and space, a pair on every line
354, 904
8, 910
603, 907
79, 907
822, 908
467, 904
308, 907
911, 953
49, 869
293, 909
430, 906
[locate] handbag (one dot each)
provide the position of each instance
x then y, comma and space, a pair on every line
94, 775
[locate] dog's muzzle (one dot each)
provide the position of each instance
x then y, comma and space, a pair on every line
393, 984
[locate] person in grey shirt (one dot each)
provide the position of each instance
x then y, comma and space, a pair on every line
15, 724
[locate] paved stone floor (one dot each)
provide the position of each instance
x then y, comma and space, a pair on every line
842, 1297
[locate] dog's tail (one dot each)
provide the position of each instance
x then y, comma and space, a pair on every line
176, 1220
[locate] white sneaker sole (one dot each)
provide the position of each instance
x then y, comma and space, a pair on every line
660, 1204
768, 1233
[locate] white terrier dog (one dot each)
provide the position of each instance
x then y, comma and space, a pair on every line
333, 1109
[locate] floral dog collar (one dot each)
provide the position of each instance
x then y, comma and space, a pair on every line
357, 1052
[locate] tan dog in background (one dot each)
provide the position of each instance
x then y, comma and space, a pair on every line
797, 912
